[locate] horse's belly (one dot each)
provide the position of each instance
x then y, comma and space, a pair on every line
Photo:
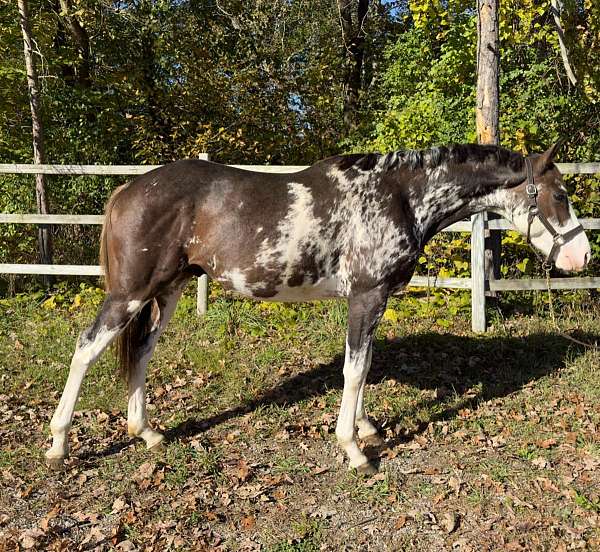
324, 288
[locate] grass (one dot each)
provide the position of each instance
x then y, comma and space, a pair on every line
498, 427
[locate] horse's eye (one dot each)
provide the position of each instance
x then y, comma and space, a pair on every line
560, 196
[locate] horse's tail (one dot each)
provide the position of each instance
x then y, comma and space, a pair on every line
129, 339
133, 336
104, 264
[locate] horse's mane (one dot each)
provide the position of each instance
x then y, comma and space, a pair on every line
435, 157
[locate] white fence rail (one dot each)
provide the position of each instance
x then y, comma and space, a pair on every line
477, 283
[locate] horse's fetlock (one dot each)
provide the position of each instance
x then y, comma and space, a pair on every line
344, 438
135, 429
57, 427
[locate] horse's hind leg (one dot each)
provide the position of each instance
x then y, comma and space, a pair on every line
137, 419
111, 320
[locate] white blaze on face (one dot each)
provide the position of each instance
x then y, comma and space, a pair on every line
572, 255
575, 254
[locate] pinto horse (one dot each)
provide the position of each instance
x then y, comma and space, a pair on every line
350, 226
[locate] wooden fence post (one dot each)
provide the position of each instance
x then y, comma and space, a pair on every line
478, 272
202, 291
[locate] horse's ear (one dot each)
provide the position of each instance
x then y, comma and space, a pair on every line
546, 159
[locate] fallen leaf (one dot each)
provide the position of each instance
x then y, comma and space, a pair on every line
248, 522
540, 462
243, 470
118, 505
145, 471
50, 515
449, 522
29, 538
400, 522
454, 483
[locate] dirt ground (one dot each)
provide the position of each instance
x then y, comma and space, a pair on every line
492, 441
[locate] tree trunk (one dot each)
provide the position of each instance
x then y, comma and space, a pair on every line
487, 113
44, 236
353, 39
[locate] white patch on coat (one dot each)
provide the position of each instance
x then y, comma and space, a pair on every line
194, 240
353, 238
322, 289
133, 306
371, 241
439, 196
152, 184
237, 279
298, 230
437, 173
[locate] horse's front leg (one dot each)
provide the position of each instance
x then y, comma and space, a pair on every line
367, 432
364, 312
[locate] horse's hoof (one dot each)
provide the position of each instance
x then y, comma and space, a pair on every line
157, 448
366, 469
55, 463
373, 440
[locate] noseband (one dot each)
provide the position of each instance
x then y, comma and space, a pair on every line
534, 212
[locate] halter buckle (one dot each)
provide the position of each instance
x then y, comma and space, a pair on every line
531, 190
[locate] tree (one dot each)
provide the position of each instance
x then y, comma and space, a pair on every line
44, 236
487, 110
80, 37
353, 39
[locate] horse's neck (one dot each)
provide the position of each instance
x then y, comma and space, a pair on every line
446, 199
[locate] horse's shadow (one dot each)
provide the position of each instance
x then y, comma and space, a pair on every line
498, 366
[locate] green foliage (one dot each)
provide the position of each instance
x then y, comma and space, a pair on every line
262, 82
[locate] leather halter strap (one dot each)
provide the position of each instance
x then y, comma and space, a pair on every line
534, 212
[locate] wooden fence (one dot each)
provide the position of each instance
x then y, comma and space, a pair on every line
477, 283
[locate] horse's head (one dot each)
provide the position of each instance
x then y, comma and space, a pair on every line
542, 212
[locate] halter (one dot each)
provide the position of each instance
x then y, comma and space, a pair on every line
534, 211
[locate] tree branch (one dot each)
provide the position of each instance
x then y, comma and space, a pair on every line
556, 11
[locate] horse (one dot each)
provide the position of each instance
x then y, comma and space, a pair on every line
350, 226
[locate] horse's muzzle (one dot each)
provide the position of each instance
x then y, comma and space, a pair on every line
574, 255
